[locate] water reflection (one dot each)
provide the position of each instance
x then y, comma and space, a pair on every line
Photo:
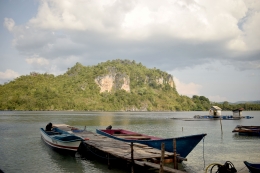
61, 161
245, 137
22, 149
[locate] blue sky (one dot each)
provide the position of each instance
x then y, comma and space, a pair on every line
212, 48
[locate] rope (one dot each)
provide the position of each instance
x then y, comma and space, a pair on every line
241, 169
214, 164
227, 167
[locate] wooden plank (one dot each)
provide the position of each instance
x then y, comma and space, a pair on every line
154, 165
121, 149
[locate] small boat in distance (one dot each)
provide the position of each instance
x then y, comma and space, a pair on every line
247, 130
60, 139
253, 167
184, 144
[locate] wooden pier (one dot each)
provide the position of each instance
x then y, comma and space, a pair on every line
132, 153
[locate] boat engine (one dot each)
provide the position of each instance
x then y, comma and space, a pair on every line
109, 127
48, 127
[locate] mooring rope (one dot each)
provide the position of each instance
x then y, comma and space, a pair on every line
241, 169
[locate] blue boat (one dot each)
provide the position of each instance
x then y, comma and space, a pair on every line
60, 139
253, 167
184, 144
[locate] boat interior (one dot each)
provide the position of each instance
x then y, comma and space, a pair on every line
119, 133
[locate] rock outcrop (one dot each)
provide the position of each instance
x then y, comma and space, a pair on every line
113, 81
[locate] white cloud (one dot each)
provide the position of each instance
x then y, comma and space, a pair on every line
76, 28
178, 33
9, 23
188, 89
9, 74
53, 66
217, 98
38, 61
201, 20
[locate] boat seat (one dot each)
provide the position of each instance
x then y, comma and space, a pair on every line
52, 133
127, 134
67, 137
135, 137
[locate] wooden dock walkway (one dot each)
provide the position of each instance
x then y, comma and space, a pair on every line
141, 155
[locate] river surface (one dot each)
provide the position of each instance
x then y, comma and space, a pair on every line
22, 150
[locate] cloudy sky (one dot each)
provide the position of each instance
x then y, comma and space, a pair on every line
212, 48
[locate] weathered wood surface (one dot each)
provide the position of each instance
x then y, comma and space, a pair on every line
121, 149
153, 165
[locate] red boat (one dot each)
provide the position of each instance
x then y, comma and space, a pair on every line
184, 144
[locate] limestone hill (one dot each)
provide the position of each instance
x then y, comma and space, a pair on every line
117, 85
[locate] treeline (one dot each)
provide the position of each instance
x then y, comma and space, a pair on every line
246, 106
77, 90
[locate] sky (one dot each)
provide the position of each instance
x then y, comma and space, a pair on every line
211, 48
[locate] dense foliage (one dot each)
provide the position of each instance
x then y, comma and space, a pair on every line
246, 106
77, 90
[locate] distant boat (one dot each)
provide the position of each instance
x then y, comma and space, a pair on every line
61, 139
247, 130
253, 167
184, 145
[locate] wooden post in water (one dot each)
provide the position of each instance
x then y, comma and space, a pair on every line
221, 124
175, 154
162, 158
108, 161
132, 157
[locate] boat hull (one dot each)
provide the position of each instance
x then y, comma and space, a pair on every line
253, 168
56, 142
247, 130
184, 145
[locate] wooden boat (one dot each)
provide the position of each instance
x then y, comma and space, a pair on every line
61, 139
184, 144
247, 130
253, 167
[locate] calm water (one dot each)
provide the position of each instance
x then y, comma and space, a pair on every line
22, 150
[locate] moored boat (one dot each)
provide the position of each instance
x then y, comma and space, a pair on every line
184, 144
60, 139
247, 130
253, 167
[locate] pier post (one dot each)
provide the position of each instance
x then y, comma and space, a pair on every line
132, 157
108, 161
221, 124
175, 154
162, 158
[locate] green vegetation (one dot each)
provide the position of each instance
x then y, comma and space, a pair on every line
77, 90
247, 106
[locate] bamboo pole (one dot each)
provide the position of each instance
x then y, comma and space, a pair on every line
162, 158
220, 124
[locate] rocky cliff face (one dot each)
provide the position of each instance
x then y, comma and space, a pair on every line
113, 81
116, 80
168, 80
